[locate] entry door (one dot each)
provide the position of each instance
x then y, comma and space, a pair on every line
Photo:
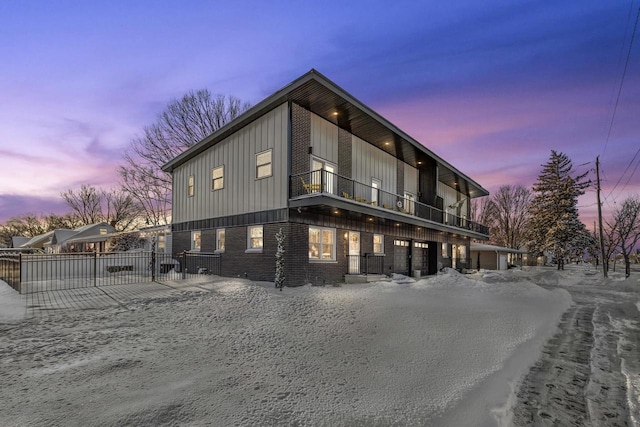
328, 171
354, 252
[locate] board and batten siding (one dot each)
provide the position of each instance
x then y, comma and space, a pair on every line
371, 162
242, 192
410, 179
450, 196
324, 139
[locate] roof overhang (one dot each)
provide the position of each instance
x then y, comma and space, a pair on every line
321, 96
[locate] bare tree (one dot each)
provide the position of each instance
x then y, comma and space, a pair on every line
480, 211
627, 229
182, 124
27, 225
509, 216
90, 205
85, 203
122, 212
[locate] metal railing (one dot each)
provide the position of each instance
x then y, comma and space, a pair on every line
29, 273
323, 182
365, 264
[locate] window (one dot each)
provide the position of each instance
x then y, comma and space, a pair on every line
421, 245
401, 243
263, 164
190, 187
195, 240
217, 178
220, 240
445, 250
103, 231
322, 244
255, 238
409, 203
378, 244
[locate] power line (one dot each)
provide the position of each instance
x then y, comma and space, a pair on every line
624, 72
625, 171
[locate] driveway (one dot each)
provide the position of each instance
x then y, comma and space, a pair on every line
589, 373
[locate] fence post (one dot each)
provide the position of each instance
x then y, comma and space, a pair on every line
95, 269
184, 264
153, 266
20, 273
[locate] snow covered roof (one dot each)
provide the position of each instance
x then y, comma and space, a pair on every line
17, 241
38, 241
477, 247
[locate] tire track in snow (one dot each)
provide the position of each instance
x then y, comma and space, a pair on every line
585, 376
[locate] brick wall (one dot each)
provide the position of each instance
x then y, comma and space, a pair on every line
400, 176
300, 139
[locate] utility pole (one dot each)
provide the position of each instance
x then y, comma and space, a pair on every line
605, 264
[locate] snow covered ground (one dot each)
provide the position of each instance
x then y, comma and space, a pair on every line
444, 350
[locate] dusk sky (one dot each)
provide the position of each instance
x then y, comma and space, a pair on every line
491, 86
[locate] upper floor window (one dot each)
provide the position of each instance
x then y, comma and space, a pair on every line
217, 178
263, 164
196, 240
255, 237
103, 231
220, 240
190, 186
378, 244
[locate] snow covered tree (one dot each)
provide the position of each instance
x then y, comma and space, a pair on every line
627, 229
280, 259
554, 225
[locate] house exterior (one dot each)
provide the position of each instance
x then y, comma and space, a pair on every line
87, 238
491, 257
352, 193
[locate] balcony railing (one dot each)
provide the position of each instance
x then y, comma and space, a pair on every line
321, 182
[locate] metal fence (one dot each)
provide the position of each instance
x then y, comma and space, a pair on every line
28, 273
366, 264
321, 182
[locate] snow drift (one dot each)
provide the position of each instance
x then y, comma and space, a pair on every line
445, 350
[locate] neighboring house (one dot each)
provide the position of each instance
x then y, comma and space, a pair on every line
161, 235
17, 241
352, 193
490, 257
82, 239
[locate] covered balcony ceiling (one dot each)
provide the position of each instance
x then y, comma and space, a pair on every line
351, 115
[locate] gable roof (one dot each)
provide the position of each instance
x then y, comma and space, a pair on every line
61, 235
476, 247
17, 241
326, 99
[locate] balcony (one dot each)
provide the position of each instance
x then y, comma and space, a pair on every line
305, 188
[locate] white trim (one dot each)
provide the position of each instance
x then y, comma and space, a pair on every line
214, 179
249, 237
320, 245
193, 240
270, 163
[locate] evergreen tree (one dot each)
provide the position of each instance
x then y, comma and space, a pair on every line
279, 281
554, 225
